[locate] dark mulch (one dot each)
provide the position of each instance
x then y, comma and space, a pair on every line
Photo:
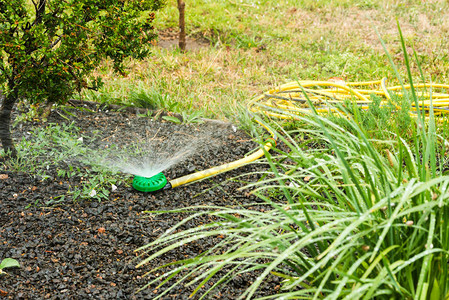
85, 249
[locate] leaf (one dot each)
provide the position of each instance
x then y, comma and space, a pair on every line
103, 13
172, 119
435, 293
9, 263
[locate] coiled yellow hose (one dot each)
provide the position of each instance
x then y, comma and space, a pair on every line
292, 98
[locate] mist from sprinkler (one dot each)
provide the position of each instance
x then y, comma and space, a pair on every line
149, 163
146, 160
147, 166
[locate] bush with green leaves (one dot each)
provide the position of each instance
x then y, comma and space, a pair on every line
344, 220
49, 48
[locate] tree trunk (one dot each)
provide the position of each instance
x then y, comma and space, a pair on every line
5, 121
182, 25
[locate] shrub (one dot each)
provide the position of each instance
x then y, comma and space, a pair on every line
49, 48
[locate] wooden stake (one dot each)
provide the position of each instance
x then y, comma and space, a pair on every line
182, 25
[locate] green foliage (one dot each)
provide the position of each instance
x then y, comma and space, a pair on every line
8, 263
246, 42
152, 99
62, 147
304, 39
43, 148
172, 119
48, 49
343, 221
192, 117
97, 185
380, 121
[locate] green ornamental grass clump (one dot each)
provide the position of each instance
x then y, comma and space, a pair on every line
346, 220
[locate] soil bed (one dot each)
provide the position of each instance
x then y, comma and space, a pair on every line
85, 249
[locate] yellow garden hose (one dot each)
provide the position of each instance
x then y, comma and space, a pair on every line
288, 100
293, 97
223, 168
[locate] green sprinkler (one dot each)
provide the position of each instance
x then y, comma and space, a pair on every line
151, 184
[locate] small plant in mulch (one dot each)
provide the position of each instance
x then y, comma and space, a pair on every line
8, 263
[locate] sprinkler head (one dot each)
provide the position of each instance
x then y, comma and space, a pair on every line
150, 184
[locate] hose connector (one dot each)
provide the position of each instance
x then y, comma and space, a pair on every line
272, 141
